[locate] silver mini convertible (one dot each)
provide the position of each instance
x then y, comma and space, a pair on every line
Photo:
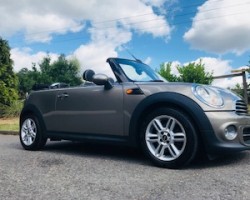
171, 122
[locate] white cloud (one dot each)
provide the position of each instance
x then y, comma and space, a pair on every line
221, 27
103, 44
23, 58
35, 20
132, 15
220, 67
215, 65
148, 60
60, 26
228, 82
93, 56
110, 24
39, 21
156, 3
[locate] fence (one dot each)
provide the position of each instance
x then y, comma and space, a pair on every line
243, 74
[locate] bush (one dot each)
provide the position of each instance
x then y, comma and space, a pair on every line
13, 110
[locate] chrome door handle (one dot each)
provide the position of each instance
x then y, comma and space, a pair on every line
61, 96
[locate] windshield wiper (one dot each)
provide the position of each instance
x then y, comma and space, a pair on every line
157, 80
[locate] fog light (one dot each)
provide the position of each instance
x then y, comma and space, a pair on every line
230, 132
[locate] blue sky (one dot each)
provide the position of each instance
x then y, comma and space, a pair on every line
157, 31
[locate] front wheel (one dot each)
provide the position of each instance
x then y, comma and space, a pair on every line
31, 134
168, 138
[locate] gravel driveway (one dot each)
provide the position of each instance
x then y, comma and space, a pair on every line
67, 170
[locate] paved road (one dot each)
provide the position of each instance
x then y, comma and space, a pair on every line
67, 170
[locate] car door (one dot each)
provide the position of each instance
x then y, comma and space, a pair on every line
89, 109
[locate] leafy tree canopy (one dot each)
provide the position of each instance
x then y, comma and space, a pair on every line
61, 70
165, 71
192, 73
8, 79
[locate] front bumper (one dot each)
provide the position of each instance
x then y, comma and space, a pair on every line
215, 140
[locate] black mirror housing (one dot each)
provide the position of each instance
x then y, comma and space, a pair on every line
102, 79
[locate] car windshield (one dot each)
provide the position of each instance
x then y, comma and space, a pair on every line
139, 72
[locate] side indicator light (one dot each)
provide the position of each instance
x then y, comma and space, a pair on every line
134, 91
129, 91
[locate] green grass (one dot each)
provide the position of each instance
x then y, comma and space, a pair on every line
9, 124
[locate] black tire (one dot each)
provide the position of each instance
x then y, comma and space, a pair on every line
168, 138
31, 133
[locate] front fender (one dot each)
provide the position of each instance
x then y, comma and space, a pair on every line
175, 101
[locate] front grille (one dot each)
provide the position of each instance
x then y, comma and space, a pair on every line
246, 135
240, 107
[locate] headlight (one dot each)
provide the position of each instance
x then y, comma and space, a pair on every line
208, 95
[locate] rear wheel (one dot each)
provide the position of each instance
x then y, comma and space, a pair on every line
31, 134
168, 138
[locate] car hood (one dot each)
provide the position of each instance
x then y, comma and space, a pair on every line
186, 89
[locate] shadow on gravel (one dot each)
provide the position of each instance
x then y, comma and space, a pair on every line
231, 159
97, 150
132, 155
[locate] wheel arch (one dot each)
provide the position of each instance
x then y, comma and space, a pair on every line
175, 101
32, 110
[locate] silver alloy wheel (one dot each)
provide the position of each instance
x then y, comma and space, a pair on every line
165, 138
28, 131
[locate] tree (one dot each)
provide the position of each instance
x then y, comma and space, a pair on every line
66, 71
45, 68
27, 78
238, 89
165, 71
192, 73
62, 70
195, 73
8, 79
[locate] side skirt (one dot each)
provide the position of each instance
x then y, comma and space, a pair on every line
57, 136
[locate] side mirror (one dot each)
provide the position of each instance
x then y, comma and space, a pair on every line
102, 79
